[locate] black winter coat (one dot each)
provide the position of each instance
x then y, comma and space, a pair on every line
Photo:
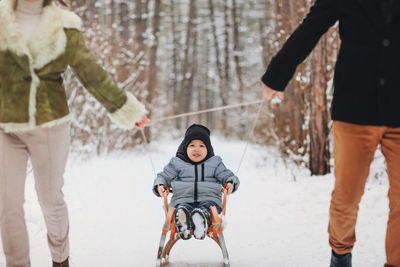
367, 72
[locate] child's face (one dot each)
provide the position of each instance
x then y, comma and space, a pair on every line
196, 150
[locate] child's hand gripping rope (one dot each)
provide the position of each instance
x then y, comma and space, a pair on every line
229, 187
161, 189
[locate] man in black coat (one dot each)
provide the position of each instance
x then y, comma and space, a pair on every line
365, 106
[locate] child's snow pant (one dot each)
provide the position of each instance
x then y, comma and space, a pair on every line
354, 149
48, 149
203, 205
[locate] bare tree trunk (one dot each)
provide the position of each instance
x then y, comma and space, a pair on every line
114, 18
141, 14
319, 142
209, 95
194, 67
214, 33
267, 33
221, 82
304, 98
226, 46
237, 50
203, 73
140, 48
290, 114
226, 80
121, 40
152, 81
186, 66
175, 58
124, 18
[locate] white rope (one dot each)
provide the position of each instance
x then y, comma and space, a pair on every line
204, 111
250, 133
146, 145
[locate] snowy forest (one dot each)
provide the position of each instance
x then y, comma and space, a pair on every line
181, 56
184, 55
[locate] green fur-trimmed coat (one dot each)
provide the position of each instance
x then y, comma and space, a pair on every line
31, 87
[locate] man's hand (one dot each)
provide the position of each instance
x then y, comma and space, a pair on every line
269, 93
161, 189
143, 122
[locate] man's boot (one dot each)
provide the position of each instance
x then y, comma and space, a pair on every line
340, 260
61, 264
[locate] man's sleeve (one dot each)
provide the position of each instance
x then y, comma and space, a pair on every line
322, 15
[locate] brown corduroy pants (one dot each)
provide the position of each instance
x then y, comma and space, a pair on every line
48, 150
354, 149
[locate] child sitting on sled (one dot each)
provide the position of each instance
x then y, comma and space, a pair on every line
196, 177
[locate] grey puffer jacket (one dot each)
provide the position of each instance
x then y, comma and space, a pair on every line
195, 182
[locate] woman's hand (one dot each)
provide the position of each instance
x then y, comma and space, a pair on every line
161, 189
143, 122
229, 188
269, 93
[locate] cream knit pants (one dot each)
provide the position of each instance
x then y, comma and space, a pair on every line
48, 150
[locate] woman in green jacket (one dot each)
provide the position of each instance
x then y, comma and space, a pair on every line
38, 41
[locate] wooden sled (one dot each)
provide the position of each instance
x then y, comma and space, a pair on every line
214, 231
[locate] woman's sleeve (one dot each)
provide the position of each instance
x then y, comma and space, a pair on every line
125, 109
323, 14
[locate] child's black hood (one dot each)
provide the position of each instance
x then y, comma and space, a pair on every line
195, 132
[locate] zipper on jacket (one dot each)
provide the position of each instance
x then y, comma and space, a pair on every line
196, 175
202, 172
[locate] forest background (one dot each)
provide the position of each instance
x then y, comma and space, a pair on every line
179, 56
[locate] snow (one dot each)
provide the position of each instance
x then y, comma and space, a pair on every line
199, 225
278, 217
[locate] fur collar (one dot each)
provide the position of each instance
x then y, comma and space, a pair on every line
47, 42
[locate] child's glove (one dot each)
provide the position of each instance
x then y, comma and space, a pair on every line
229, 187
161, 189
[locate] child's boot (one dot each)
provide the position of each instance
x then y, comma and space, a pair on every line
182, 222
200, 222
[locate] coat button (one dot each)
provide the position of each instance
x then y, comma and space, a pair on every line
386, 42
27, 78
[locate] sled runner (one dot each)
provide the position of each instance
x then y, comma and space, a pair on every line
214, 231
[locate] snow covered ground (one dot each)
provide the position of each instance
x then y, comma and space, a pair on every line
278, 217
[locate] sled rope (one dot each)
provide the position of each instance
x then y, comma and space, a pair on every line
203, 111
249, 135
146, 144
